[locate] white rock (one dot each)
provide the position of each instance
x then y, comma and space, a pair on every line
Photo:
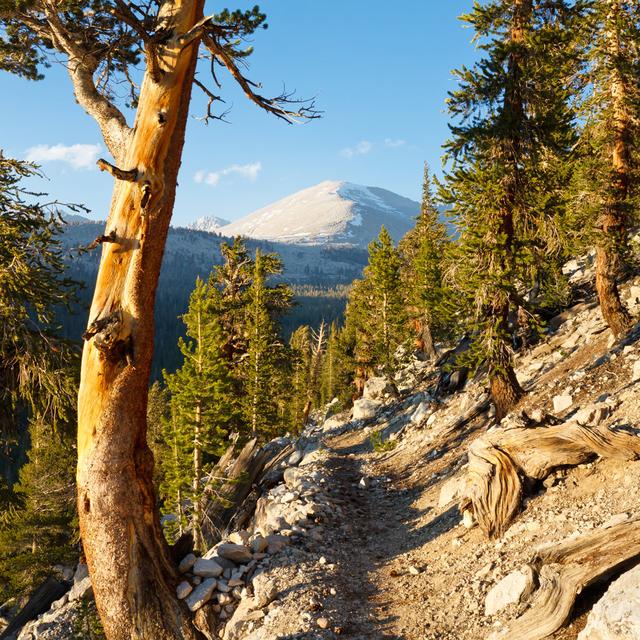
468, 520
183, 590
421, 412
377, 388
201, 594
207, 568
452, 490
508, 591
561, 403
81, 583
364, 408
592, 415
635, 374
616, 616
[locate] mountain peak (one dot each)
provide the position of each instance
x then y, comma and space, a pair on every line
331, 212
208, 223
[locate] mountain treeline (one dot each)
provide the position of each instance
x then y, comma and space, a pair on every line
540, 166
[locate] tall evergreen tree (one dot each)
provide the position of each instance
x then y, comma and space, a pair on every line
264, 349
38, 529
422, 251
606, 184
375, 312
35, 379
514, 128
201, 406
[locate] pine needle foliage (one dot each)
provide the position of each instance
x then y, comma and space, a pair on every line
513, 130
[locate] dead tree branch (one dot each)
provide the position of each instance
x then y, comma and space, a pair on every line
128, 175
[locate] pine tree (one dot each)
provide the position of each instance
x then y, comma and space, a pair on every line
38, 528
201, 407
264, 349
300, 353
514, 129
422, 251
605, 186
375, 312
35, 379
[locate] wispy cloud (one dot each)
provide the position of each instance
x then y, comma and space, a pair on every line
79, 156
361, 149
212, 178
394, 142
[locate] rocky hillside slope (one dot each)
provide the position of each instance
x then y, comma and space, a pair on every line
368, 528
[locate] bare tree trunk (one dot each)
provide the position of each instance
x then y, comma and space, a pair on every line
613, 221
133, 575
197, 476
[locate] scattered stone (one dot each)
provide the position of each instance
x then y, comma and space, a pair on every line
363, 408
323, 623
201, 594
561, 403
240, 537
619, 518
207, 568
276, 543
377, 388
592, 415
452, 490
510, 590
235, 552
183, 590
635, 373
468, 520
258, 544
414, 571
186, 563
423, 410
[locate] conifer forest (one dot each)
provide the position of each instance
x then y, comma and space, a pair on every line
350, 413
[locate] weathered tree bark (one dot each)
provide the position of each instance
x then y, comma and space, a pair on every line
499, 460
613, 221
132, 573
565, 569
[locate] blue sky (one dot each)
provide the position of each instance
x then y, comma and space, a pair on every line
379, 71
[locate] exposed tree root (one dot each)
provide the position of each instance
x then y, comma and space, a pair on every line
564, 569
501, 459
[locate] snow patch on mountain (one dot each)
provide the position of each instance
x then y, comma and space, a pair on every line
332, 212
208, 223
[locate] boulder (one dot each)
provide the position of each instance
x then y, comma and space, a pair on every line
81, 583
364, 408
510, 590
186, 563
377, 388
562, 402
235, 552
616, 616
421, 413
207, 568
201, 594
183, 590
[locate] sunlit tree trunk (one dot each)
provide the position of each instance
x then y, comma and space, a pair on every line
132, 573
613, 221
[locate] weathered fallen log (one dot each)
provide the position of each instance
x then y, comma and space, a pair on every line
39, 602
230, 484
502, 458
564, 569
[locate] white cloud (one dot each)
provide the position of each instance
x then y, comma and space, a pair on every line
79, 156
212, 178
361, 149
394, 142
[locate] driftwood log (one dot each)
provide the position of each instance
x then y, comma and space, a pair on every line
564, 569
39, 602
501, 459
231, 484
